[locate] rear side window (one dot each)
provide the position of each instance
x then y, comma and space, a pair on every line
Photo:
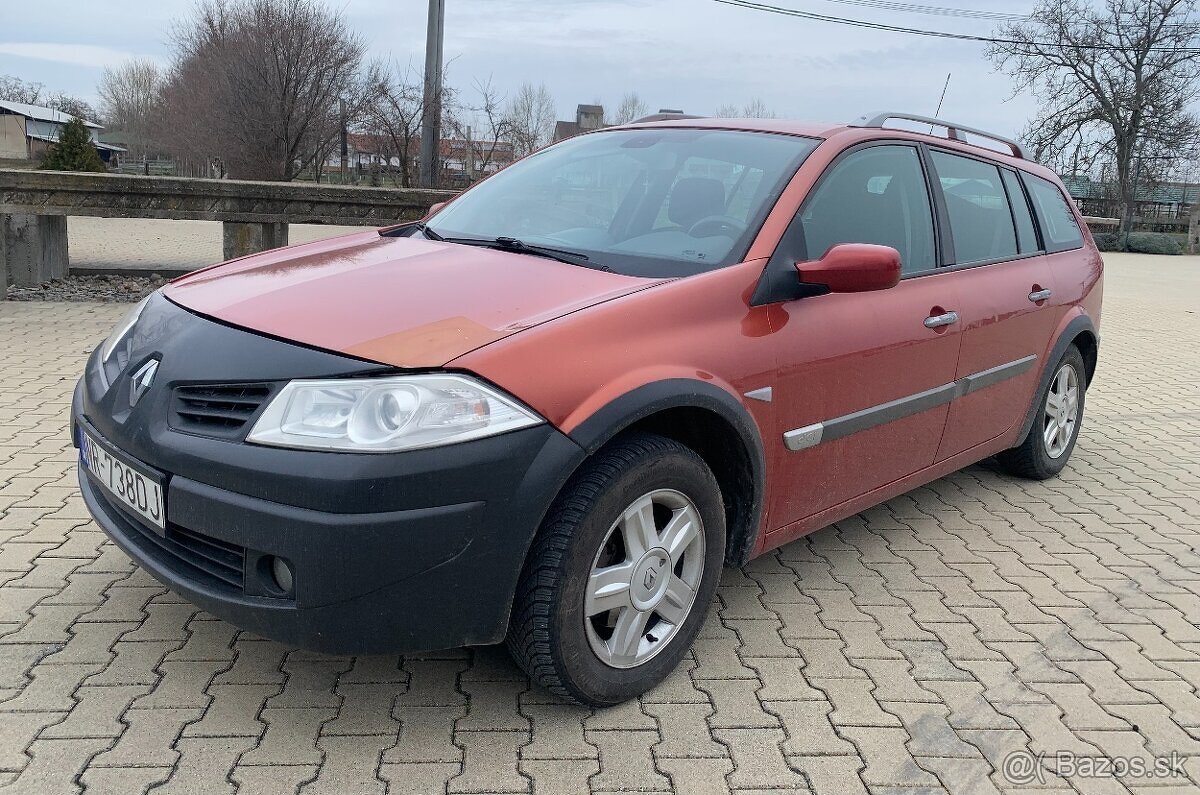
875, 195
1059, 228
981, 222
1027, 240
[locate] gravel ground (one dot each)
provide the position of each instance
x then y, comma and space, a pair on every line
106, 289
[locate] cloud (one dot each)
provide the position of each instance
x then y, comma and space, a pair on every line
75, 54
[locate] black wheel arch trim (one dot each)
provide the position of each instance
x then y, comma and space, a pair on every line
649, 399
1082, 324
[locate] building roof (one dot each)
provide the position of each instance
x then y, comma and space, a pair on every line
40, 113
1083, 187
98, 144
565, 129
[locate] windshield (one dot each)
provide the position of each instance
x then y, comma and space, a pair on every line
652, 202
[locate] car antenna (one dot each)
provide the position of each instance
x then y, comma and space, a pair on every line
942, 99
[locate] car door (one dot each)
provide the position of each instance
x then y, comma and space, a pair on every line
864, 379
1005, 293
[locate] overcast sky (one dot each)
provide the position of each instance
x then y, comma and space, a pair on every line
689, 54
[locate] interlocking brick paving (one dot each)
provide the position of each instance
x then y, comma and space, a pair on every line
911, 648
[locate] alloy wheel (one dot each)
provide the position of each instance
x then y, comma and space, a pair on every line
644, 578
1061, 413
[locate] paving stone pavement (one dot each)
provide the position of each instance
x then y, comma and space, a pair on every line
909, 649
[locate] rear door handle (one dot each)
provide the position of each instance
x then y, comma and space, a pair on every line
936, 321
1040, 295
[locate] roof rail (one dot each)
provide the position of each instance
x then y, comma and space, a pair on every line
952, 130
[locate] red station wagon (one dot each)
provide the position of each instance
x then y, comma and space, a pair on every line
551, 411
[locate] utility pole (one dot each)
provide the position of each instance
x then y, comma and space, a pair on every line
432, 103
345, 150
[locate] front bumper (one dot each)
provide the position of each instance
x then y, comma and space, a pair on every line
390, 552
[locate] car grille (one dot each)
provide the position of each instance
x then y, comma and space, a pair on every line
211, 561
220, 410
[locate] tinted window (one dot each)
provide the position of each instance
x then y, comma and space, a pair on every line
876, 195
1026, 236
1058, 222
980, 220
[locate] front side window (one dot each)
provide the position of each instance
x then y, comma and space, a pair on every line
652, 202
1059, 228
875, 195
981, 223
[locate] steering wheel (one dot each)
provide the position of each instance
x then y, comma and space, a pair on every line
717, 225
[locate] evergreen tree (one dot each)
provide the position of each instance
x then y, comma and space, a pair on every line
74, 150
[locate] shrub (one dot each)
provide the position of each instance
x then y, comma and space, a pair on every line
1154, 243
74, 150
1140, 242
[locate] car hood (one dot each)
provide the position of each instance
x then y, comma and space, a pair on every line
399, 301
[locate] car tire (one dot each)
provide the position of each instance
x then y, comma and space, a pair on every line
598, 616
1051, 439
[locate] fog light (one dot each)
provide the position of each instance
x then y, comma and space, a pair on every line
282, 572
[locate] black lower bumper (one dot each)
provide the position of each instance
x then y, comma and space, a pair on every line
399, 552
395, 581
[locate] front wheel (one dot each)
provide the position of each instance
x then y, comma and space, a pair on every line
621, 573
1051, 438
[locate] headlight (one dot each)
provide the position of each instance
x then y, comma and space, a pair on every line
122, 329
387, 414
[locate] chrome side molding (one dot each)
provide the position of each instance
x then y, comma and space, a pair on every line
874, 416
764, 394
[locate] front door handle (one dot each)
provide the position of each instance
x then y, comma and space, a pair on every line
936, 321
1040, 295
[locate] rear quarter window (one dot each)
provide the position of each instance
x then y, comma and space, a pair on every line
1059, 228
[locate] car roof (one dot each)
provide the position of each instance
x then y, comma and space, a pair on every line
852, 132
787, 126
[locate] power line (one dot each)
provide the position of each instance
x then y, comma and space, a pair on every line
940, 34
913, 8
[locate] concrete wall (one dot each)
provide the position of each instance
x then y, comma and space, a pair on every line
12, 137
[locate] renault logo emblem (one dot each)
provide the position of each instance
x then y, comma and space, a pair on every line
651, 575
141, 381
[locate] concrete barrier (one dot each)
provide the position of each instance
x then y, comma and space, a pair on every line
34, 206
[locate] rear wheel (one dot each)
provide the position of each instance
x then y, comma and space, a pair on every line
1051, 438
621, 574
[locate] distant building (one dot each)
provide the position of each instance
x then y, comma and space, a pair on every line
366, 151
587, 118
27, 130
591, 117
1162, 206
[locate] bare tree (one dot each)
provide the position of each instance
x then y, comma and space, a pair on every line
395, 109
631, 107
530, 118
754, 109
1115, 84
482, 125
14, 89
129, 99
257, 83
757, 109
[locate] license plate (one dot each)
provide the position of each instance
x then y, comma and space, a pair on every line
132, 485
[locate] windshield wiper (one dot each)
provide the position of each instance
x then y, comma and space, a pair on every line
521, 247
424, 229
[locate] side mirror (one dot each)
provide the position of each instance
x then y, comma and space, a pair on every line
433, 208
853, 268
